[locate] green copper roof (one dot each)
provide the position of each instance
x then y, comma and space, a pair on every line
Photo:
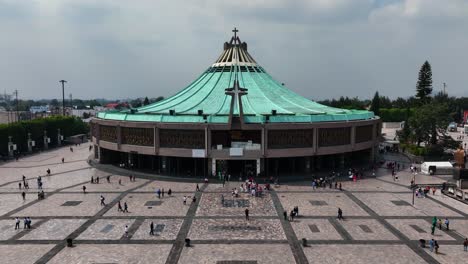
206, 97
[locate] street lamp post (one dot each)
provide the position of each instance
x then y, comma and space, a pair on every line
63, 96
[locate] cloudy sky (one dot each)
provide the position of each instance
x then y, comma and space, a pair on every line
318, 48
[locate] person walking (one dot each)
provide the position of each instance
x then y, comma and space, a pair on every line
23, 194
151, 229
247, 214
198, 188
439, 223
340, 187
63, 160
185, 200
159, 193
17, 225
285, 214
125, 210
25, 222
169, 192
84, 189
119, 207
431, 245
19, 185
340, 214
465, 244
436, 246
126, 231
103, 201
447, 222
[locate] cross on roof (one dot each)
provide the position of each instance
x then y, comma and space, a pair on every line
235, 30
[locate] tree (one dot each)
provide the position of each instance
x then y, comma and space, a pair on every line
54, 102
375, 105
146, 101
424, 84
135, 103
428, 123
159, 98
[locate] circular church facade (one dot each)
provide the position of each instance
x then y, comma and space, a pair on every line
235, 119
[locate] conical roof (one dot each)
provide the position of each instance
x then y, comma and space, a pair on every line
206, 99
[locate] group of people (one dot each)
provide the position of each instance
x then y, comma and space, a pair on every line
27, 223
294, 212
422, 193
438, 222
25, 183
160, 192
120, 209
326, 182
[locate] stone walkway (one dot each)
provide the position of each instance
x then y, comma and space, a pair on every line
381, 224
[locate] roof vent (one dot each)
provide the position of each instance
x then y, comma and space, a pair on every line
204, 117
267, 118
172, 112
273, 112
200, 112
133, 111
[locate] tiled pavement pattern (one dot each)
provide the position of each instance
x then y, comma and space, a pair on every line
381, 225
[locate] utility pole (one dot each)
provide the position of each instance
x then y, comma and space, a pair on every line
63, 96
445, 86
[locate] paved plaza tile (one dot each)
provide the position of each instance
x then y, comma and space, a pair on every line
7, 229
106, 229
255, 253
315, 229
104, 186
54, 205
416, 229
384, 205
113, 253
9, 202
459, 226
148, 204
321, 204
236, 229
367, 229
218, 230
211, 204
166, 229
24, 253
166, 185
51, 183
54, 229
373, 185
362, 254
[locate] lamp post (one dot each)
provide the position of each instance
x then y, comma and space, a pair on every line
63, 96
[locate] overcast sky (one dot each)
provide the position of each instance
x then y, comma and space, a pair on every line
318, 48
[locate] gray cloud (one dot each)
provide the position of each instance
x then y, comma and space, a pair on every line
319, 48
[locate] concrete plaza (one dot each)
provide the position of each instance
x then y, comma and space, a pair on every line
381, 224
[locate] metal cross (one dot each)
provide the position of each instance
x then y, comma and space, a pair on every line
235, 30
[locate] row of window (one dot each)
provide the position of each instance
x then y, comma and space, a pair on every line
277, 139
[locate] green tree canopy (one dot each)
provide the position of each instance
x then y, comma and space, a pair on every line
146, 101
424, 84
375, 104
